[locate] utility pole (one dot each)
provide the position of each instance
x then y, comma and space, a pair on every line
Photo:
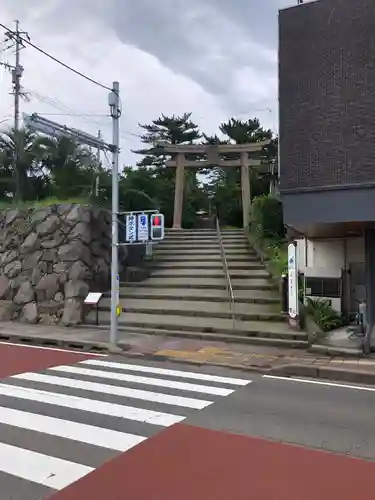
115, 110
16, 37
98, 150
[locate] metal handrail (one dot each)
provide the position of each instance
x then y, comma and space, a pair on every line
226, 273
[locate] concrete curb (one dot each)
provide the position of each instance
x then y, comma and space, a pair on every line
56, 342
192, 362
228, 338
326, 373
292, 370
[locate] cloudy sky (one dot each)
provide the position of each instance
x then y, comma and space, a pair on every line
216, 58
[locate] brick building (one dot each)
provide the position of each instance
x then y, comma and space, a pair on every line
327, 144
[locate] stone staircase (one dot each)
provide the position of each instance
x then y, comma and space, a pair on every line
186, 293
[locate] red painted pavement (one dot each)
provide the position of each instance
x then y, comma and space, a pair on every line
19, 359
191, 463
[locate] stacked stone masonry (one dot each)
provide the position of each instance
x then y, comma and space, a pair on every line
50, 258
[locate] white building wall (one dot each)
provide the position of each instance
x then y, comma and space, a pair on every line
327, 258
335, 253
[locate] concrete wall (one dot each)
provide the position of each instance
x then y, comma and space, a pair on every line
327, 259
335, 253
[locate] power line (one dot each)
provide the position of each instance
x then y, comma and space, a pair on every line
75, 114
58, 61
68, 111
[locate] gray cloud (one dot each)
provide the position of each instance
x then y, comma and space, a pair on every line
216, 43
227, 48
210, 42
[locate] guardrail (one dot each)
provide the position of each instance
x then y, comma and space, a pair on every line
227, 275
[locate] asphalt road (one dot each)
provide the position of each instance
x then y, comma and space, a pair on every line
74, 426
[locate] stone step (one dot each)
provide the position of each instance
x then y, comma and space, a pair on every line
209, 273
208, 283
196, 257
244, 250
212, 295
245, 266
188, 251
256, 312
186, 233
188, 246
182, 323
235, 339
195, 241
184, 244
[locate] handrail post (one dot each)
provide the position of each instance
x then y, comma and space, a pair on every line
228, 282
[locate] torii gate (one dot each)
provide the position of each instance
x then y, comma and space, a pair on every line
213, 159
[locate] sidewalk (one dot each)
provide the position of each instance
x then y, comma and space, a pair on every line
271, 360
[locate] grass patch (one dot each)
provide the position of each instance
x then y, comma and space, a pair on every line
47, 202
277, 253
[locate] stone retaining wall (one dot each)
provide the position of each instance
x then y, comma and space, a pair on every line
50, 258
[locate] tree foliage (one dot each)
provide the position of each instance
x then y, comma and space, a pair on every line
169, 130
61, 169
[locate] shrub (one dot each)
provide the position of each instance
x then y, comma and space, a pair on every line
278, 254
324, 316
267, 218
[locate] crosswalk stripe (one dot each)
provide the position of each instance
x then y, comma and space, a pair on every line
155, 397
163, 371
38, 468
125, 377
89, 434
90, 405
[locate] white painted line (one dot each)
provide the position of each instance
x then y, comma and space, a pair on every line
55, 349
124, 392
89, 434
162, 371
318, 382
41, 469
91, 405
159, 382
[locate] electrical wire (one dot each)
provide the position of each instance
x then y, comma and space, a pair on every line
58, 61
67, 111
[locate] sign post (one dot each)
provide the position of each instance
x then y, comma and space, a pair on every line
143, 229
293, 301
131, 228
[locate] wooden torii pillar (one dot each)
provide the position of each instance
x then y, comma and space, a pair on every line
213, 159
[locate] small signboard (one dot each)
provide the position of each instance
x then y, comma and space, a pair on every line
93, 298
140, 228
131, 228
143, 228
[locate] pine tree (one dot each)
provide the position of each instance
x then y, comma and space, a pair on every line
169, 130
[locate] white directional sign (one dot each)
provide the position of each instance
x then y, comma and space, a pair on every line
143, 229
292, 281
131, 228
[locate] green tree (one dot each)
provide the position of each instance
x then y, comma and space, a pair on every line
21, 176
226, 183
169, 130
72, 168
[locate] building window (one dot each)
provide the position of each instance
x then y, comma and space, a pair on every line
323, 287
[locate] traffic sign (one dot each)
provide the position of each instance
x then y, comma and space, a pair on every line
143, 230
131, 228
157, 226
